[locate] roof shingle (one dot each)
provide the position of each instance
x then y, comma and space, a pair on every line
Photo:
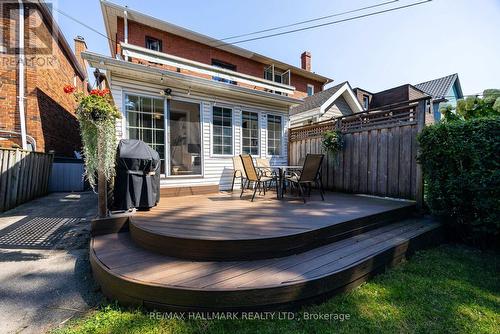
316, 100
438, 88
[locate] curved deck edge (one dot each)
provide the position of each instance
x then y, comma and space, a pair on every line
260, 248
161, 297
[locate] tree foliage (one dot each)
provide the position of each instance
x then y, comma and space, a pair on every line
461, 165
474, 107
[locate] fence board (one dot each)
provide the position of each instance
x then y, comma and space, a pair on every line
24, 176
405, 157
393, 162
347, 162
363, 162
382, 163
379, 154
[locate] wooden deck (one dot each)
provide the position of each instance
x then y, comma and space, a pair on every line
224, 227
265, 255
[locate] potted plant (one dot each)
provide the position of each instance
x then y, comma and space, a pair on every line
333, 141
97, 117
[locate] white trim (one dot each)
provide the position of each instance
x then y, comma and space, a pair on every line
312, 89
353, 103
233, 148
282, 146
167, 142
198, 84
133, 51
259, 127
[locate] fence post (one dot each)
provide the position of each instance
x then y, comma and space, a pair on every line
419, 196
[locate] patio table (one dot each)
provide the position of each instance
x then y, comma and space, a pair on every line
281, 176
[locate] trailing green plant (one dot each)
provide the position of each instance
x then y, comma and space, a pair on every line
474, 107
461, 165
97, 117
333, 141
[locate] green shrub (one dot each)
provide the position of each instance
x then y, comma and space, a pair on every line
461, 165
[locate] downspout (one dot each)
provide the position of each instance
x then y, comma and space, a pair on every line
21, 96
125, 26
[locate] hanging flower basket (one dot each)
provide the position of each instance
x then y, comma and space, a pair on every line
333, 141
97, 117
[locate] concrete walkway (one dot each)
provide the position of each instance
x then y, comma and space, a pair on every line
45, 278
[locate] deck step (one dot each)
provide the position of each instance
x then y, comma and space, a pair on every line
226, 228
136, 276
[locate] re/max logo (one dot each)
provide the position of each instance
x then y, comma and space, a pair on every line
39, 28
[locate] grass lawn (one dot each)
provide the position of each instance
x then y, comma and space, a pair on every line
449, 289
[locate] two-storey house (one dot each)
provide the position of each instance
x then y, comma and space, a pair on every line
197, 100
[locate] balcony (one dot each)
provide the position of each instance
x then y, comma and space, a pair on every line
198, 69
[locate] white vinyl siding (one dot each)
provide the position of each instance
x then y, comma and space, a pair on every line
216, 169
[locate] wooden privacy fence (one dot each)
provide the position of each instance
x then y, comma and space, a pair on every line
379, 155
24, 176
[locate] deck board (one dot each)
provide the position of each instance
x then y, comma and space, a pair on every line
267, 216
224, 227
232, 275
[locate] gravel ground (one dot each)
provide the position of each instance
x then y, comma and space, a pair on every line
45, 278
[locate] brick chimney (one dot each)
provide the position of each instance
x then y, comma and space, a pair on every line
80, 46
305, 59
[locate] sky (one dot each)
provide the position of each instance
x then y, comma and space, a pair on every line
411, 45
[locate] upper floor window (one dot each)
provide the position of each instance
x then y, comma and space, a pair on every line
227, 66
366, 101
153, 44
274, 138
222, 131
310, 90
273, 74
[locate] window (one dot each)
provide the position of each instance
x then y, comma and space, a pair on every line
222, 131
366, 101
145, 121
153, 44
184, 138
271, 73
310, 90
274, 135
227, 66
250, 132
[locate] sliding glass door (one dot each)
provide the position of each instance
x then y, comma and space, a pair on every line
145, 121
184, 138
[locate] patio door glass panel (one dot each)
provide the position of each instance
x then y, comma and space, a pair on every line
184, 138
145, 121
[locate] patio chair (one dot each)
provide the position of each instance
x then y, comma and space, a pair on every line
239, 171
252, 175
310, 175
264, 167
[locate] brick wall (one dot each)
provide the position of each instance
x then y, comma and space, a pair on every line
50, 117
8, 87
185, 48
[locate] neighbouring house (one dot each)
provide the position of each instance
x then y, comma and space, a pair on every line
35, 113
445, 90
339, 100
196, 100
387, 97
